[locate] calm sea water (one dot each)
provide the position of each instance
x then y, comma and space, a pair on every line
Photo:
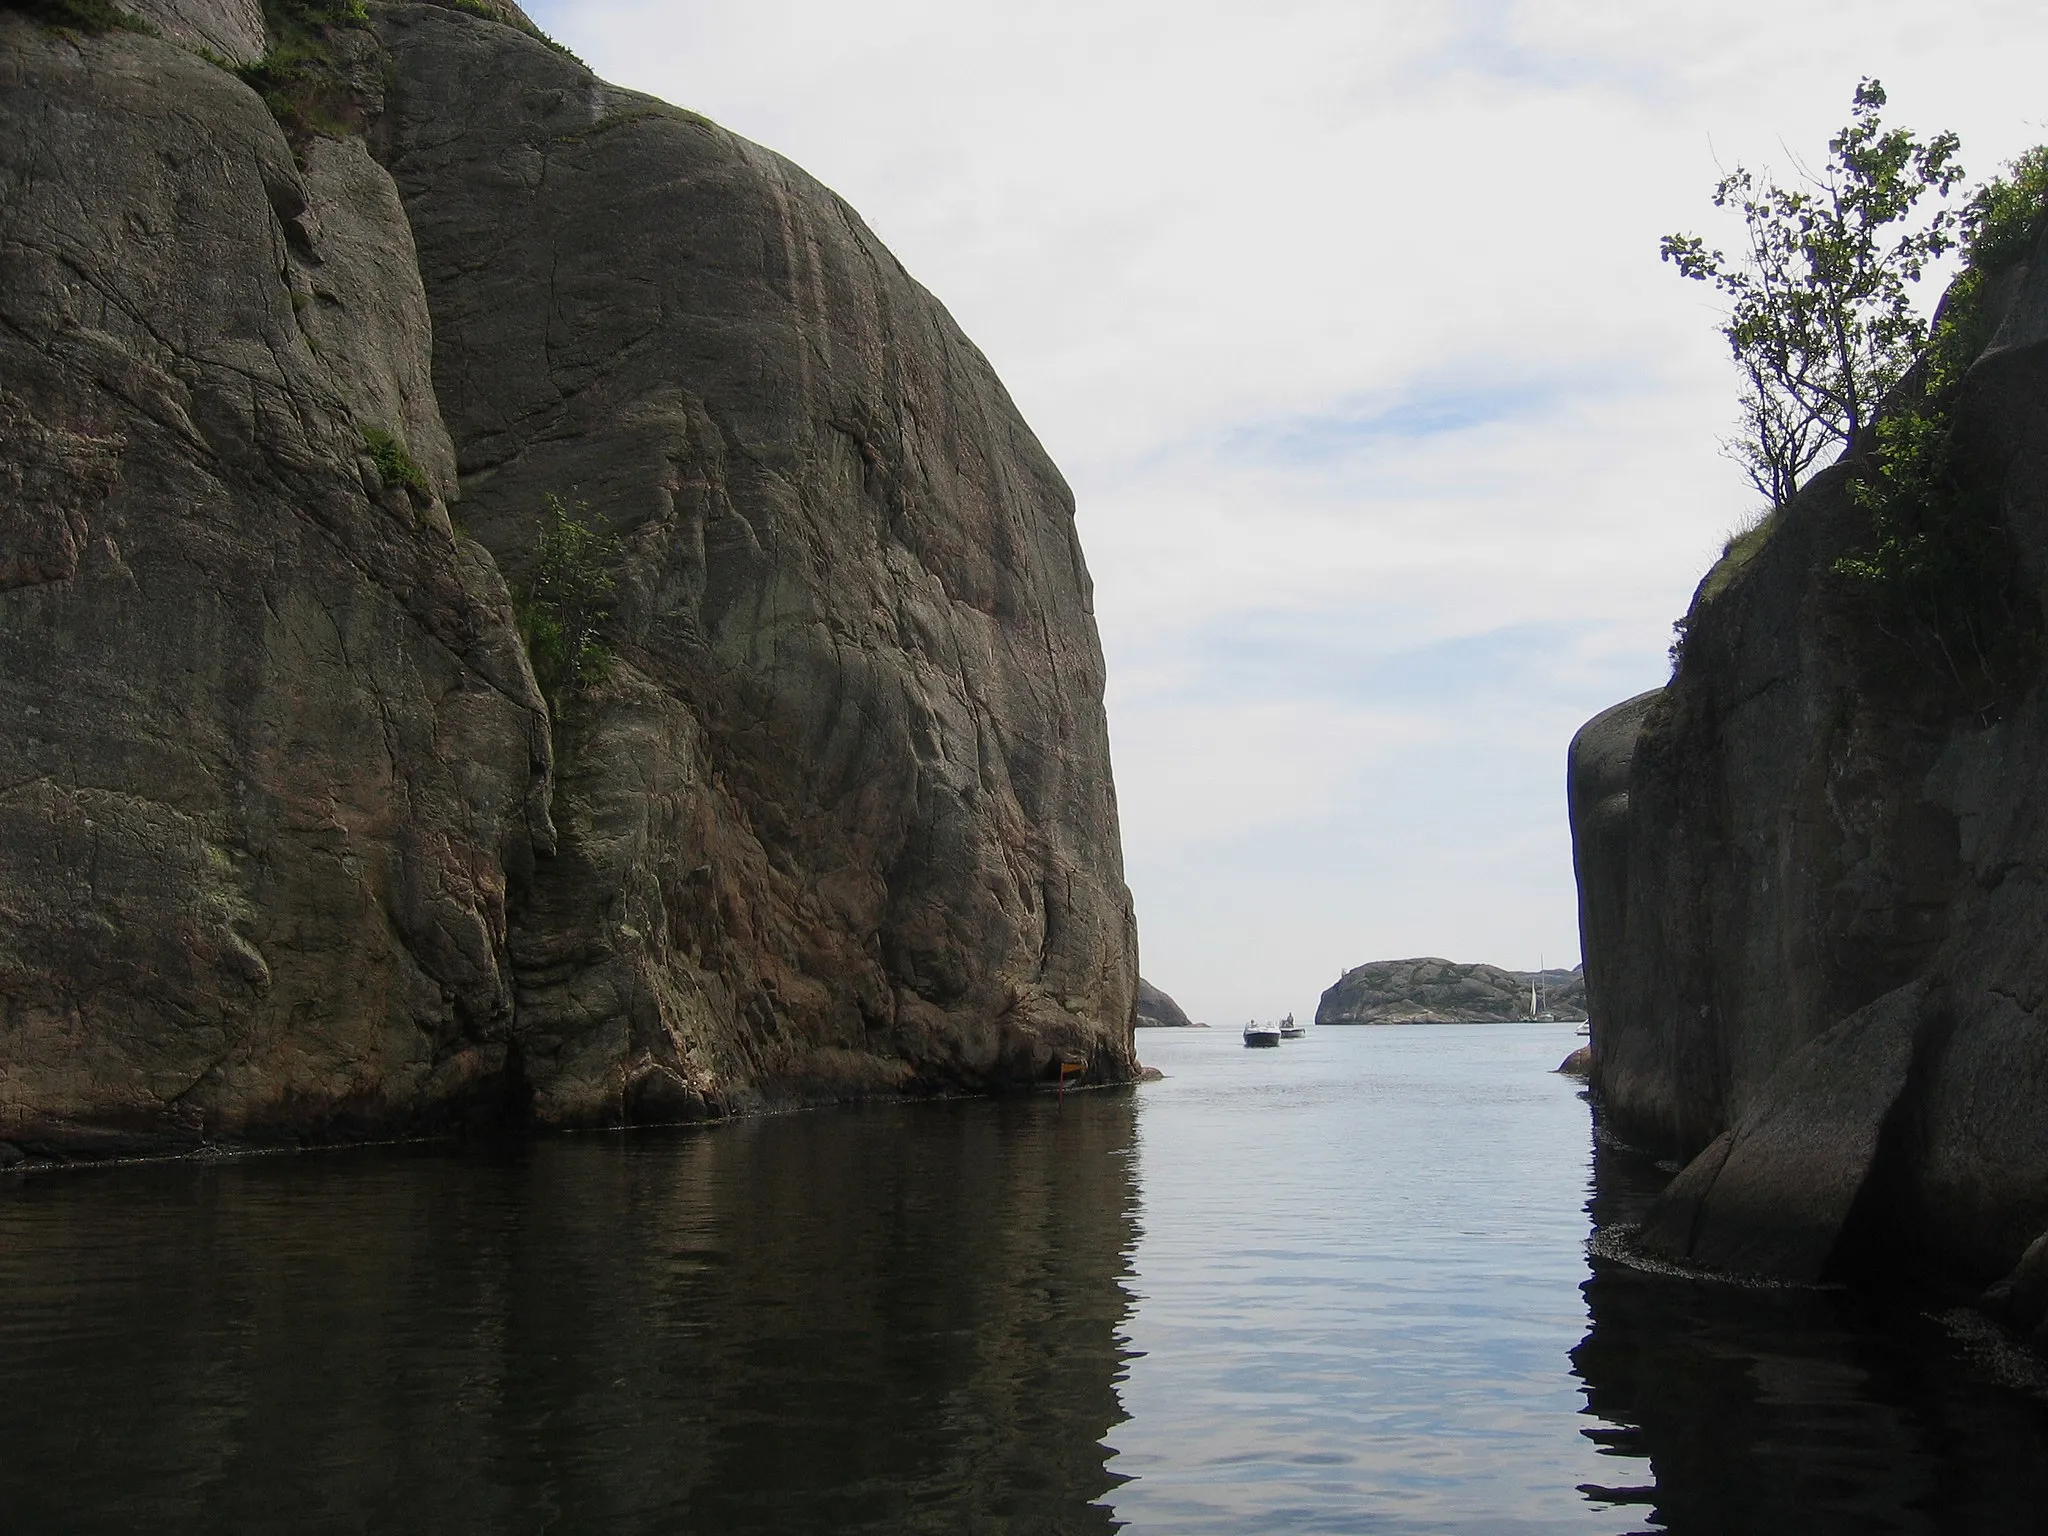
1340, 1286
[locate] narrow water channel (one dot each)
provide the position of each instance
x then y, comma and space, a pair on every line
1340, 1286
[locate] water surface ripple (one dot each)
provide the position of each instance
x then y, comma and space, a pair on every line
1339, 1286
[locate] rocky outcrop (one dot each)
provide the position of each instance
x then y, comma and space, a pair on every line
1158, 1011
1432, 991
289, 844
1811, 884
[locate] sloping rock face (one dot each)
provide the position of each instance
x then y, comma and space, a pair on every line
288, 842
1811, 886
1432, 991
1158, 1011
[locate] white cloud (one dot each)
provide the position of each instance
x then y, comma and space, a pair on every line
1394, 442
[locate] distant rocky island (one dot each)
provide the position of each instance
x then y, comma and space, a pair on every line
1158, 1011
1433, 991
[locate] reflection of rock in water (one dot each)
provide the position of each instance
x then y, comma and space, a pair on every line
897, 1319
1779, 1410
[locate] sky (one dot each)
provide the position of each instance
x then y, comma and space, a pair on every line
1396, 449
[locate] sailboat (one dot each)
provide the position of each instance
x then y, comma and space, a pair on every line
1536, 1013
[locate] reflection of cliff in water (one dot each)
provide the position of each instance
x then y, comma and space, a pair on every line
1732, 1410
900, 1319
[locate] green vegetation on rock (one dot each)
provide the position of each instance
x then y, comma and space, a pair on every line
1937, 557
300, 79
562, 607
394, 463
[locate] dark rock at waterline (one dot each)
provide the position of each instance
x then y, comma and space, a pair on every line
1158, 1011
1821, 824
285, 801
11, 1156
1433, 991
1578, 1064
1773, 1195
2020, 1300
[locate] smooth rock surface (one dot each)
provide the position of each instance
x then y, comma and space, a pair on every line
1597, 773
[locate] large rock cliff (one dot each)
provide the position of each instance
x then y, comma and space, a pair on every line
1811, 880
289, 842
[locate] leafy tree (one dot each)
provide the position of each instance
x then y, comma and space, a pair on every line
565, 604
1821, 322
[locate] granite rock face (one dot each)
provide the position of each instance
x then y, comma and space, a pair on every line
1158, 1011
844, 817
233, 29
275, 762
1432, 991
1811, 887
289, 844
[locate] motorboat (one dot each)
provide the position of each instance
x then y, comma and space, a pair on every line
1256, 1033
1289, 1030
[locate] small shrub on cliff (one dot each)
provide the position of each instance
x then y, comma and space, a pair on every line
291, 19
1821, 321
397, 466
566, 602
